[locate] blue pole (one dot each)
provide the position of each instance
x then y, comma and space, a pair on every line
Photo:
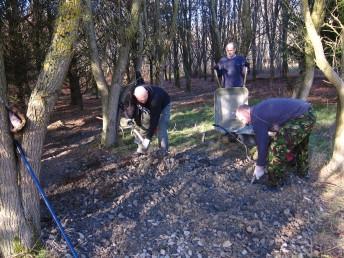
45, 199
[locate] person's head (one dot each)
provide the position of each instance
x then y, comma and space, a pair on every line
141, 94
230, 49
243, 113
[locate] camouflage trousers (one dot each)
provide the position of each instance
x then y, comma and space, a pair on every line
290, 148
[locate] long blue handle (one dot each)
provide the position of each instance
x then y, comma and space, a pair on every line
45, 199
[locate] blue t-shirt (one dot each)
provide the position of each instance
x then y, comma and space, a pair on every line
231, 70
270, 113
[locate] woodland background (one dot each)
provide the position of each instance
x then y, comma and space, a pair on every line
94, 48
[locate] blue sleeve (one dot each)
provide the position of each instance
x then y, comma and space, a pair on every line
262, 140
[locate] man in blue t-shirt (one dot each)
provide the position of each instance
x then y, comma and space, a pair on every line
232, 69
292, 120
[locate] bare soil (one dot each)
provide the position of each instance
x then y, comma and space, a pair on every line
196, 202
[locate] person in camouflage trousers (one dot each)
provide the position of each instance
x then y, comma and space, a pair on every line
291, 120
289, 147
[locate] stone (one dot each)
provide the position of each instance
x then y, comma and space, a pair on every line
227, 244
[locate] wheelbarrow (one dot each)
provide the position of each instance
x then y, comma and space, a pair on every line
226, 101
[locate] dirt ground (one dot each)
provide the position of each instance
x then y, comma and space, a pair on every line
197, 202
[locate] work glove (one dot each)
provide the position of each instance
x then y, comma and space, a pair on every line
259, 171
145, 143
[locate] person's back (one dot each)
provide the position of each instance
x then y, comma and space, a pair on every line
278, 110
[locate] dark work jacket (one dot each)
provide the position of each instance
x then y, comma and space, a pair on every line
147, 116
158, 99
271, 113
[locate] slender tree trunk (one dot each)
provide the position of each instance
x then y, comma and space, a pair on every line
246, 28
19, 209
271, 11
204, 40
176, 64
111, 133
185, 34
317, 16
110, 94
138, 46
74, 85
254, 40
336, 162
96, 67
284, 36
215, 33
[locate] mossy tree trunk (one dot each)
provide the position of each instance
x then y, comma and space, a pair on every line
336, 164
19, 200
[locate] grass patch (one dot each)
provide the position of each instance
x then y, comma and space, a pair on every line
322, 136
189, 124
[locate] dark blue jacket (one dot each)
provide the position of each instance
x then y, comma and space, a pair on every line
231, 71
273, 112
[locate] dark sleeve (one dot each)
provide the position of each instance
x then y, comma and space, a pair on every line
155, 115
218, 67
262, 140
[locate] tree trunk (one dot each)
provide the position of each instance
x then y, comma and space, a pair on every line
96, 67
176, 64
254, 40
115, 90
246, 28
110, 94
317, 16
271, 11
215, 32
138, 46
336, 162
185, 35
20, 201
74, 85
284, 37
11, 213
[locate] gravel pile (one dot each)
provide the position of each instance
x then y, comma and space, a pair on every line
189, 204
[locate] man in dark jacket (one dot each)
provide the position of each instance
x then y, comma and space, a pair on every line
151, 111
292, 120
232, 68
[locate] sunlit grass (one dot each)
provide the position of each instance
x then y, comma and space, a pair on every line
322, 135
189, 124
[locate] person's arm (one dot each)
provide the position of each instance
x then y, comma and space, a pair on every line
154, 116
218, 70
262, 140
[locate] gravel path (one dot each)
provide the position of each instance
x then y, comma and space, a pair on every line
190, 204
